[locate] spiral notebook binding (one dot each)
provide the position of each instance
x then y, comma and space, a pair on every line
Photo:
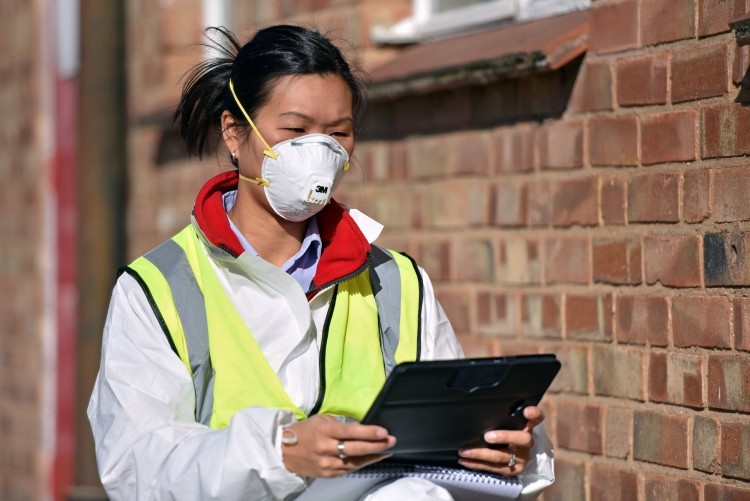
432, 472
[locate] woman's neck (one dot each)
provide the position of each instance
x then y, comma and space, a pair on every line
273, 238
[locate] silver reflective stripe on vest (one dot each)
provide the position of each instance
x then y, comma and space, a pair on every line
386, 286
171, 261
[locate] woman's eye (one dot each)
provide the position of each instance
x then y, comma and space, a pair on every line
339, 134
295, 130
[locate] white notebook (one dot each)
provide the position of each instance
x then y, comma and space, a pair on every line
462, 484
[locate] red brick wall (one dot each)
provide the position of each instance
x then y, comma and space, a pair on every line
612, 234
22, 178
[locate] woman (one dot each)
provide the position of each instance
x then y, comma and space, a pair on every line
229, 349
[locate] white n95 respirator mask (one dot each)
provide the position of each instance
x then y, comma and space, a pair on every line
299, 175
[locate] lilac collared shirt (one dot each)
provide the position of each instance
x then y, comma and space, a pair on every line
301, 266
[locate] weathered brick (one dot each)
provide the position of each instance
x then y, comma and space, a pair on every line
428, 157
730, 382
612, 200
588, 317
654, 198
726, 131
508, 204
613, 483
398, 161
560, 145
578, 427
570, 481
705, 444
513, 149
642, 319
731, 190
479, 347
714, 15
567, 260
618, 372
701, 72
519, 261
575, 201
696, 186
741, 323
538, 203
457, 303
659, 488
618, 428
676, 378
373, 157
435, 258
540, 315
672, 260
642, 80
497, 313
613, 140
721, 492
574, 373
180, 25
735, 444
390, 205
725, 258
617, 261
666, 20
668, 137
660, 438
473, 260
469, 153
593, 88
701, 321
614, 27
457, 203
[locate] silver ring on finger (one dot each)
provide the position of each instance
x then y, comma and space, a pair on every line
340, 448
512, 460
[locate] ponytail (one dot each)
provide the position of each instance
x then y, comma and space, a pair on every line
204, 93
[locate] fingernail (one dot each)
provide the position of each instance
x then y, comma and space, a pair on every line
490, 437
463, 463
381, 433
465, 453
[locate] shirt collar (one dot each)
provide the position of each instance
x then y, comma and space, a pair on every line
311, 244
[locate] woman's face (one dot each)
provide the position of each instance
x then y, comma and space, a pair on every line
297, 106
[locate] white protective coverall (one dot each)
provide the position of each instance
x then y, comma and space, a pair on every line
148, 444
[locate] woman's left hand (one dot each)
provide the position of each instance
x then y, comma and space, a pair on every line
510, 461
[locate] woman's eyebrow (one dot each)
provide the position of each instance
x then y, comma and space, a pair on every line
308, 118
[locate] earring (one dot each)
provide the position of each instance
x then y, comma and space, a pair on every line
233, 156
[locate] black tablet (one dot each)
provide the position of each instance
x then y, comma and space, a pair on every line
441, 406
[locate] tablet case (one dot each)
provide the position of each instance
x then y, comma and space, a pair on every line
438, 407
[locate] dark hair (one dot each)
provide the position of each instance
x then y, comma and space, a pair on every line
272, 53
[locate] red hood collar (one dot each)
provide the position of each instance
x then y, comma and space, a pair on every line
345, 249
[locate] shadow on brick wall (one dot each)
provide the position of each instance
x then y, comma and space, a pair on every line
509, 101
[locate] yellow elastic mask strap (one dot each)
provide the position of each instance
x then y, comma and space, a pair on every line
257, 180
345, 167
268, 151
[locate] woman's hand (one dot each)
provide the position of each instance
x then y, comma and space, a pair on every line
317, 453
510, 461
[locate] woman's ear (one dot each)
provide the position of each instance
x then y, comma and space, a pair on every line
229, 132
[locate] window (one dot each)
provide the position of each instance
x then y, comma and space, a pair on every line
439, 18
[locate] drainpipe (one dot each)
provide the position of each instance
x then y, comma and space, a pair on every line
101, 196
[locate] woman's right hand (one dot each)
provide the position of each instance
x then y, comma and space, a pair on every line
316, 454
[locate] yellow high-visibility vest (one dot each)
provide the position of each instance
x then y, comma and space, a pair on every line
366, 332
